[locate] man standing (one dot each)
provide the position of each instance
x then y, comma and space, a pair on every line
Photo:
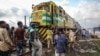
36, 44
49, 38
5, 41
72, 39
60, 43
19, 34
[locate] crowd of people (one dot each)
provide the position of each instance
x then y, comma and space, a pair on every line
15, 37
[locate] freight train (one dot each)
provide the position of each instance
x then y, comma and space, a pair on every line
49, 14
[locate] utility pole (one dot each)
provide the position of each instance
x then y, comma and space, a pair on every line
25, 20
29, 20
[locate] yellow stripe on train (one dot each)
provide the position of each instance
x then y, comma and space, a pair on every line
42, 32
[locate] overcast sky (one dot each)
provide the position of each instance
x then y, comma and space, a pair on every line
86, 12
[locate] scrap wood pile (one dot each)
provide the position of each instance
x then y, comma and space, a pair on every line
86, 46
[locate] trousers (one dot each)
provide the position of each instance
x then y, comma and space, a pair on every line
20, 47
36, 48
4, 53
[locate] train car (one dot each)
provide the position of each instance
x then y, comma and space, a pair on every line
49, 14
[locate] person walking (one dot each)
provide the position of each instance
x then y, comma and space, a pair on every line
49, 38
60, 43
12, 33
5, 41
36, 43
29, 30
8, 29
72, 39
19, 34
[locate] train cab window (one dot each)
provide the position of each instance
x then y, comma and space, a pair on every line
60, 12
47, 8
39, 8
64, 12
55, 10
